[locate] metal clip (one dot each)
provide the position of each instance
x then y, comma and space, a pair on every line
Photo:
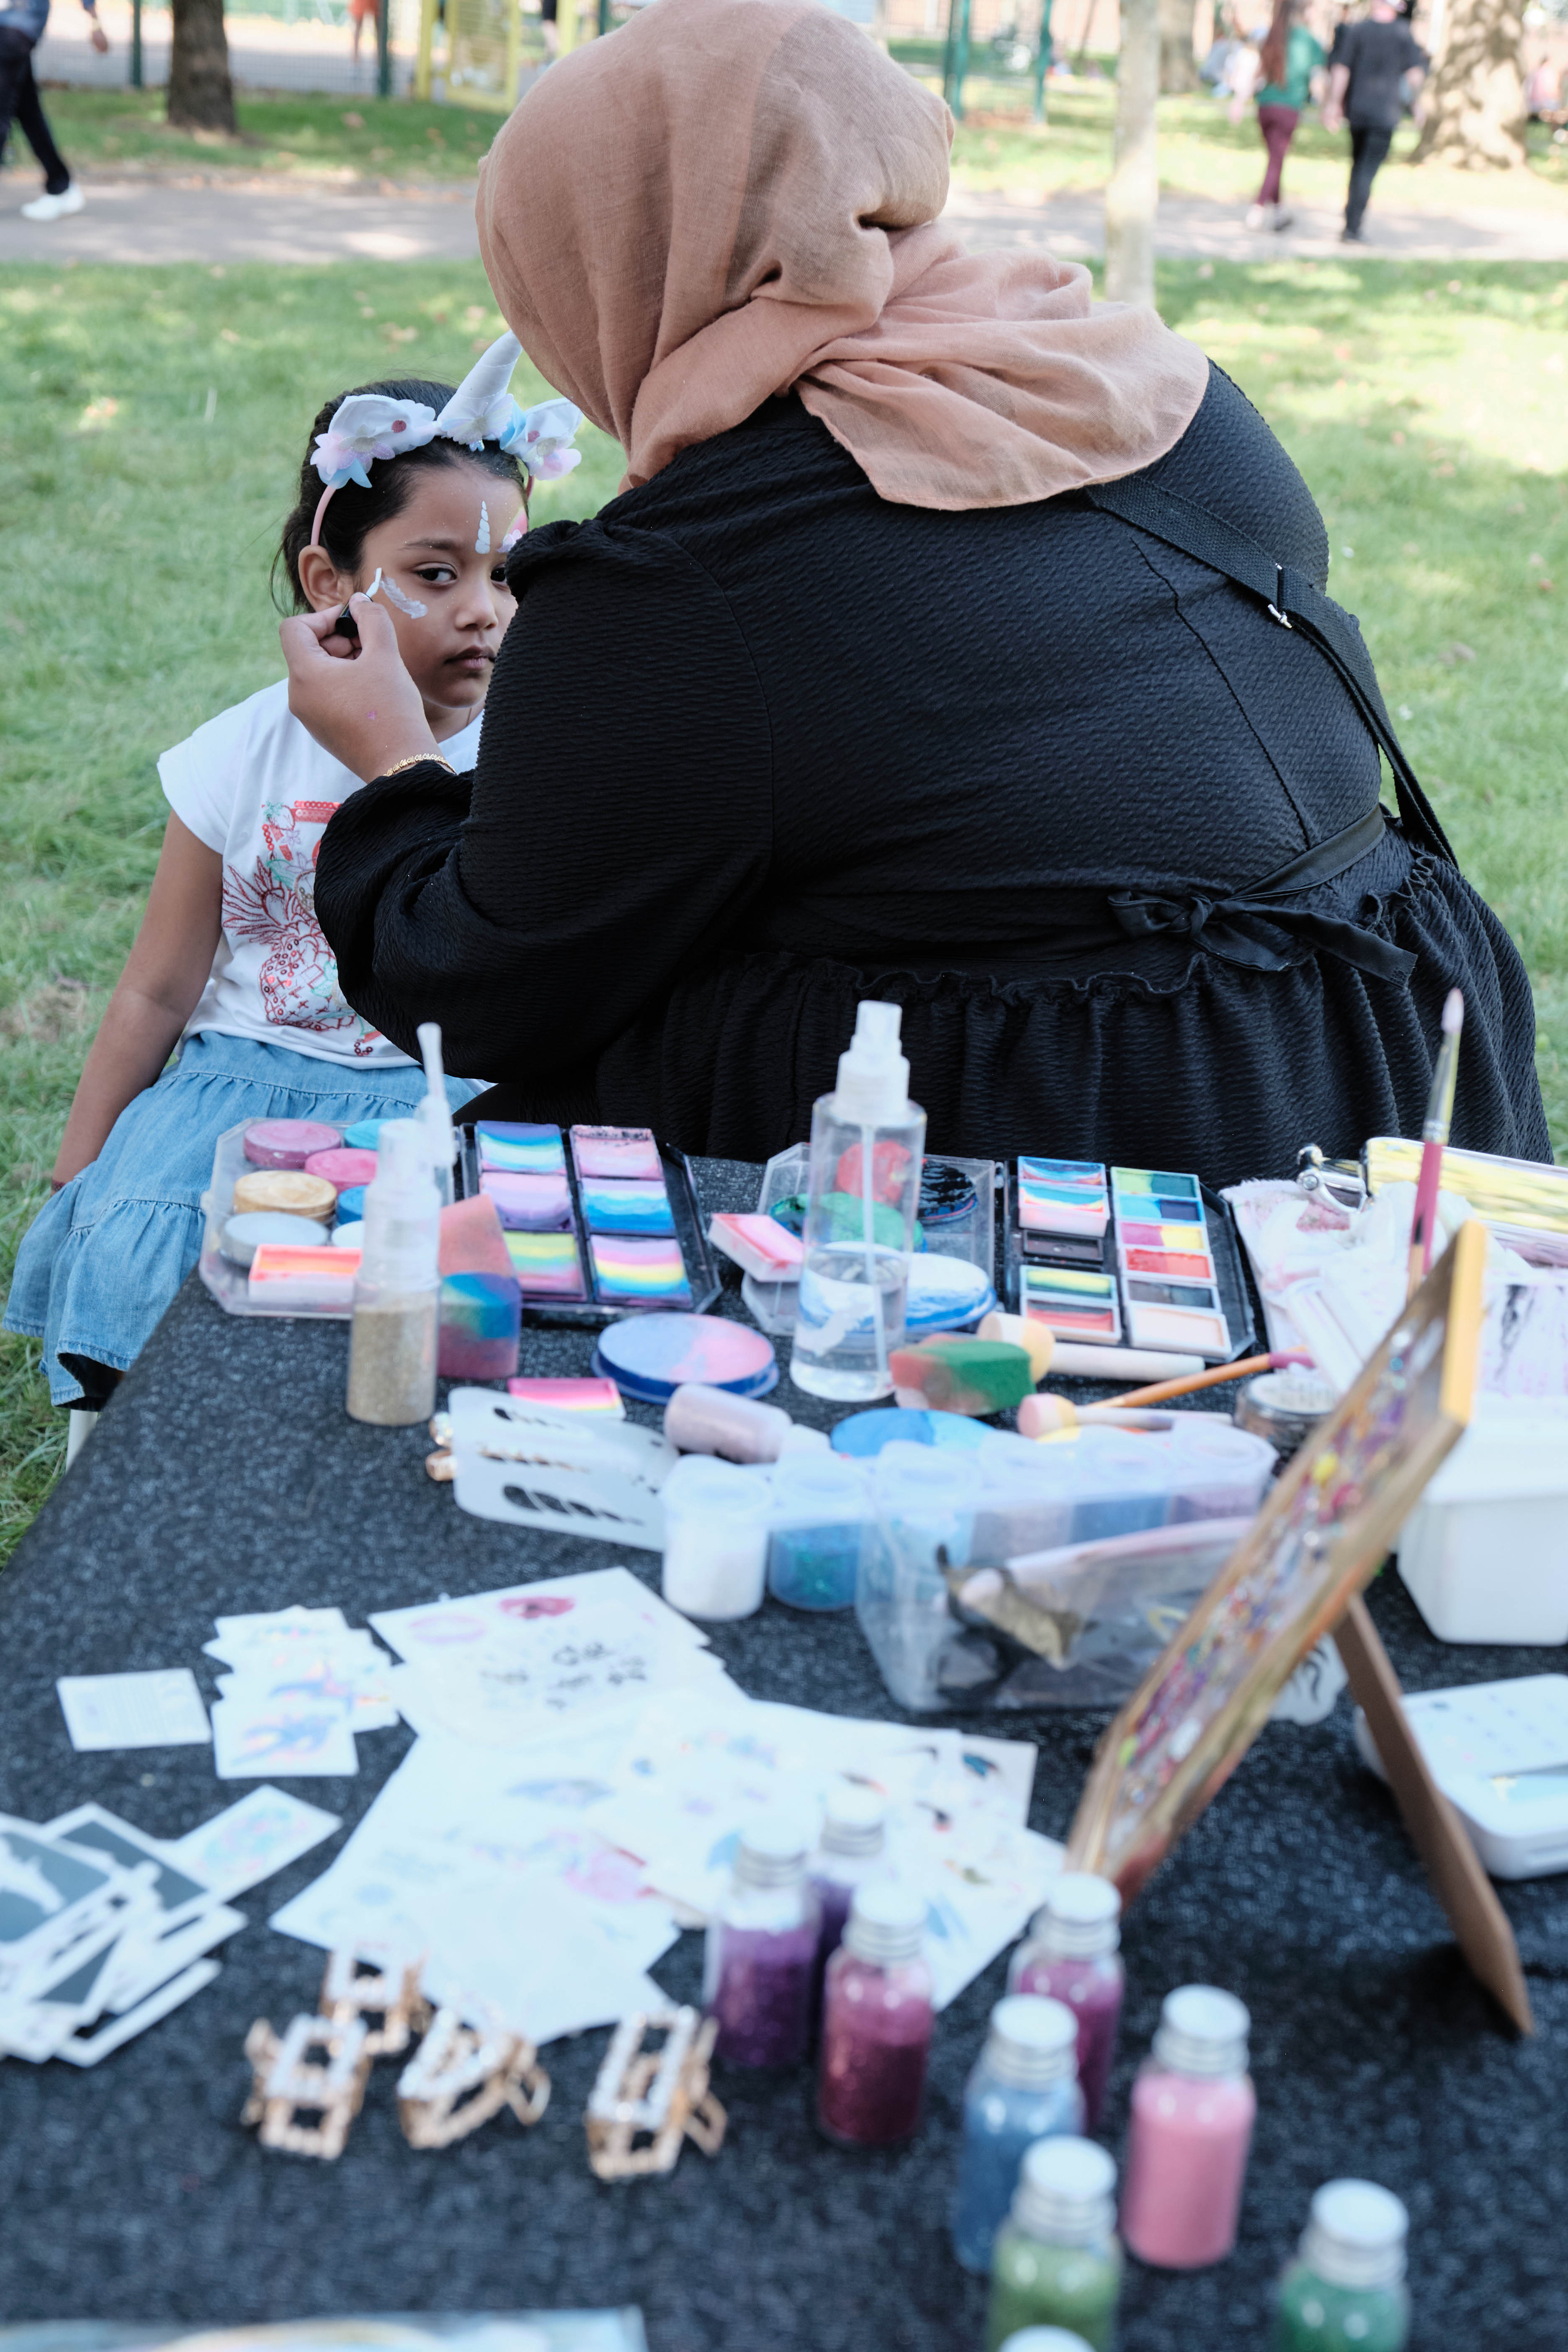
1274, 611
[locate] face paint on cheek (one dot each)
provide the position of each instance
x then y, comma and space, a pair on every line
482, 543
409, 606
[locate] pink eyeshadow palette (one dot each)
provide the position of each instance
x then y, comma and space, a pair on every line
629, 1152
529, 1204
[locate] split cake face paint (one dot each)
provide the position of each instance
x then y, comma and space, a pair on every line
524, 1146
611, 1207
1062, 1196
547, 1265
628, 1153
626, 1269
1073, 1304
529, 1204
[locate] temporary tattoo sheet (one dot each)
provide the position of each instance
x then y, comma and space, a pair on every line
149, 1710
260, 1835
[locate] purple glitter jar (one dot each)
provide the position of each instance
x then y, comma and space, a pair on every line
1072, 1956
760, 1955
877, 2019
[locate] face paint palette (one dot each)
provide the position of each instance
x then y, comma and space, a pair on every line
599, 1221
1140, 1257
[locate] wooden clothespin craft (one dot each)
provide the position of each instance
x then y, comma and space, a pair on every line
286, 2083
462, 2075
356, 1986
659, 2097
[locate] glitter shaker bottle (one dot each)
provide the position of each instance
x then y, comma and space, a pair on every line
1057, 2262
853, 1832
1022, 2088
761, 1952
1345, 2291
1192, 2106
1072, 1956
877, 2019
397, 1291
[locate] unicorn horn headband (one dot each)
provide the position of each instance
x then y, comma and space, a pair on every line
369, 425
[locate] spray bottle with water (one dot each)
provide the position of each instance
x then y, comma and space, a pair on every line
867, 1143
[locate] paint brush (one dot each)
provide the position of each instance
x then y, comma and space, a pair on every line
1434, 1136
1039, 1416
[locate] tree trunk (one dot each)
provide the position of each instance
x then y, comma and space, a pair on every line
1178, 67
1132, 193
1475, 98
201, 95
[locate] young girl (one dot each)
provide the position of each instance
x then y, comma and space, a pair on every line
423, 490
1281, 80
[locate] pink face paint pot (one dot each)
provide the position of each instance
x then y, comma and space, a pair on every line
1192, 2108
344, 1167
651, 1356
288, 1142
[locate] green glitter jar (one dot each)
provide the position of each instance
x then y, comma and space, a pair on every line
1345, 2291
1056, 2262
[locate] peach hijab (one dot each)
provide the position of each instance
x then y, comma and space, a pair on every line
733, 198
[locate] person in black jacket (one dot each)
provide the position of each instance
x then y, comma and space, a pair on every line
932, 651
1367, 85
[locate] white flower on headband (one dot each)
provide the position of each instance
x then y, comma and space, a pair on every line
540, 438
369, 425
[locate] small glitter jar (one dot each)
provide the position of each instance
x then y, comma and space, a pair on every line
877, 2020
761, 1953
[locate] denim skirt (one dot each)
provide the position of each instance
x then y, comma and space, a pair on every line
104, 1257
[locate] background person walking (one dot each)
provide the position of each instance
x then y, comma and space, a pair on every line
1288, 60
1366, 89
21, 30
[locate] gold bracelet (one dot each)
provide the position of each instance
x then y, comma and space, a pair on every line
420, 760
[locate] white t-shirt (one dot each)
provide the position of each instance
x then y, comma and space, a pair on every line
256, 786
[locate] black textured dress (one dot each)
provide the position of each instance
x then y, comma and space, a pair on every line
760, 743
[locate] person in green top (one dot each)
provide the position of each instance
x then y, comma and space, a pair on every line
1288, 60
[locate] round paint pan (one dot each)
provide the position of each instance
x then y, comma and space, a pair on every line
651, 1356
945, 1293
866, 1433
945, 1191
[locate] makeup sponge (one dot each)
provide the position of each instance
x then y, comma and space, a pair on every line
961, 1375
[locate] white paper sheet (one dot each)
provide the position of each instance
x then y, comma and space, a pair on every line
251, 1840
163, 1709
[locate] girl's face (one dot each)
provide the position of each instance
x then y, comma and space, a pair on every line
442, 553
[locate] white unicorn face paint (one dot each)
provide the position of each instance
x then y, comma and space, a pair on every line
482, 543
408, 604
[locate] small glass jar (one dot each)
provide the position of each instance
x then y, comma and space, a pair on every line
820, 1505
854, 1833
1057, 2262
877, 2020
1345, 2291
761, 1952
1022, 2088
1072, 1955
1193, 2109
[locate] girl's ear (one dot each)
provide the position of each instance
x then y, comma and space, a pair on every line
324, 583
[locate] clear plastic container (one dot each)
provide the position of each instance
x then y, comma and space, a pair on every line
867, 1143
1220, 1473
877, 2021
1022, 2088
820, 1505
1192, 2110
1057, 2262
1345, 2291
1072, 1955
760, 1957
1122, 1480
715, 1538
926, 1502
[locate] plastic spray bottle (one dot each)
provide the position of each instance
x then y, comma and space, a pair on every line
435, 1114
867, 1143
398, 1291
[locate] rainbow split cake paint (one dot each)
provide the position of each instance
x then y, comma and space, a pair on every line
524, 1146
1167, 1263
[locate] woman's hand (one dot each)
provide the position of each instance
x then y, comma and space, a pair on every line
362, 707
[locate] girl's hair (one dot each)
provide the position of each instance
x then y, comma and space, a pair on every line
353, 513
1271, 56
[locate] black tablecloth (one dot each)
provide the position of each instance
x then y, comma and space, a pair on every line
225, 1478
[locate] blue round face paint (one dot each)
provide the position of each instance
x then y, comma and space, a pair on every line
651, 1356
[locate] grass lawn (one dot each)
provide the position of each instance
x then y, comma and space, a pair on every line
150, 419
1201, 154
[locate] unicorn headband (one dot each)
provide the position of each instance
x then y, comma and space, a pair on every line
369, 425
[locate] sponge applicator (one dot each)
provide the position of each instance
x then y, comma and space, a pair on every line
1038, 1342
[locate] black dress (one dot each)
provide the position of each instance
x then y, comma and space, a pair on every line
760, 743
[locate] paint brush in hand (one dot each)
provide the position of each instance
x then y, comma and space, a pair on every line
1434, 1136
